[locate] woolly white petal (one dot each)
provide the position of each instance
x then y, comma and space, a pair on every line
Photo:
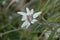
21, 13
32, 11
28, 11
26, 24
58, 30
33, 21
24, 18
36, 14
47, 34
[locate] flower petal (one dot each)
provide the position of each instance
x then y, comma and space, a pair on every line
47, 34
28, 11
58, 30
21, 13
26, 24
24, 18
32, 11
36, 14
33, 21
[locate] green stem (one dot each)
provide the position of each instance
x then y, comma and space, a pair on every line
11, 31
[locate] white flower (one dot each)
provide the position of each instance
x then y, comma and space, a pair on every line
29, 17
47, 34
58, 30
4, 2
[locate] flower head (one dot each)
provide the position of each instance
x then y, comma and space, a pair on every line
29, 17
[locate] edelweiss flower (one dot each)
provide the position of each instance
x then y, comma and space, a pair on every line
47, 35
29, 17
58, 30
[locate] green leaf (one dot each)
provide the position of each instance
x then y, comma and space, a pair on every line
53, 18
58, 19
38, 28
52, 34
12, 36
0, 2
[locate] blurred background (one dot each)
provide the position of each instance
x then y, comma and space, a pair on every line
48, 27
